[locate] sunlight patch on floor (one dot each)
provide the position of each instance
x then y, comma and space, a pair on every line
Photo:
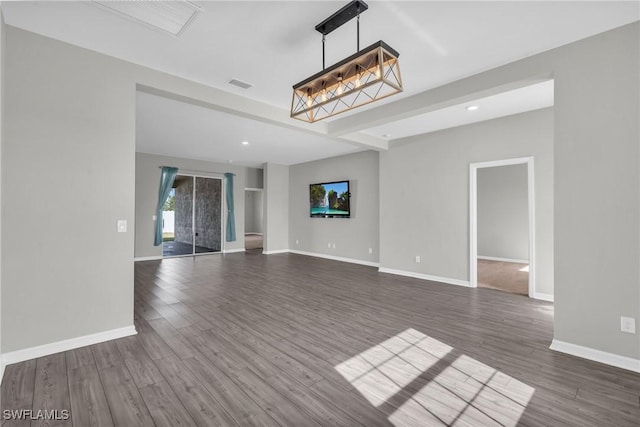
425, 383
383, 370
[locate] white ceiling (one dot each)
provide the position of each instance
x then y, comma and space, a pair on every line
274, 45
174, 128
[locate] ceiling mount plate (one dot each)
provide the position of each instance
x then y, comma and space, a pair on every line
342, 16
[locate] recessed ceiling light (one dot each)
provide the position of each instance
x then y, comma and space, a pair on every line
472, 108
245, 142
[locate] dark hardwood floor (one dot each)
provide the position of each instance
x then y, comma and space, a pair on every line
248, 339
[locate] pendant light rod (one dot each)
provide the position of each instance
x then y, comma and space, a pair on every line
344, 15
357, 30
323, 36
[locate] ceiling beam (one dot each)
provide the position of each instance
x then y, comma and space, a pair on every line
367, 141
455, 93
251, 109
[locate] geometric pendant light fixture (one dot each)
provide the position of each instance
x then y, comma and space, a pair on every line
370, 74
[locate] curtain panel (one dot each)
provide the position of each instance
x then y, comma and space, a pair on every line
167, 177
231, 221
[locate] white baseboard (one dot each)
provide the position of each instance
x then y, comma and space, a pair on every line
279, 251
233, 251
425, 277
336, 258
543, 297
147, 258
492, 258
596, 355
70, 344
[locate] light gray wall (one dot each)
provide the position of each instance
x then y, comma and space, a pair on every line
598, 191
2, 49
424, 188
254, 178
253, 206
352, 236
147, 181
503, 212
276, 208
69, 142
597, 183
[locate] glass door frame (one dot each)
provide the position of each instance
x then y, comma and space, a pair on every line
193, 176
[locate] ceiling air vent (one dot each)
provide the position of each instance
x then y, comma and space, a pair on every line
240, 83
172, 17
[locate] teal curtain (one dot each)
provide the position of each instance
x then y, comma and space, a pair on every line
166, 183
231, 221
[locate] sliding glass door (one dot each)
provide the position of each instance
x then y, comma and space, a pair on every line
197, 216
207, 215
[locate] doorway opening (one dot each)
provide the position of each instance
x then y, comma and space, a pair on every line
192, 217
253, 219
502, 238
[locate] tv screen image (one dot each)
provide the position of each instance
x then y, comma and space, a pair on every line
330, 200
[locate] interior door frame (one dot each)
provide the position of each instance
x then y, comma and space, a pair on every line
473, 217
255, 190
193, 215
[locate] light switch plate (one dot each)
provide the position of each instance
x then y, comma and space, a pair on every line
122, 226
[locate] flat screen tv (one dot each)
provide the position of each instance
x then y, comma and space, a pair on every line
330, 200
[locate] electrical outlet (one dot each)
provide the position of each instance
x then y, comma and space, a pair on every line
418, 258
370, 250
329, 245
122, 226
334, 246
628, 325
